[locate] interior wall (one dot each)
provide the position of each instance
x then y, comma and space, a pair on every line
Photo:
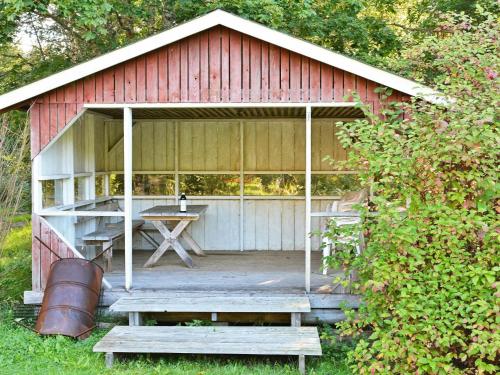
215, 146
75, 155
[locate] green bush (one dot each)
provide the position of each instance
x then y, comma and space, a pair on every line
429, 275
15, 262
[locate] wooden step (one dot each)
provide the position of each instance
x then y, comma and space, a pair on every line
214, 303
300, 341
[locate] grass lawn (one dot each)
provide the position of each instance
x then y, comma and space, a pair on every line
24, 352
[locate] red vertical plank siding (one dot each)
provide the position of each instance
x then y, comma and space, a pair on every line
264, 69
274, 73
108, 86
361, 88
89, 89
79, 95
130, 82
338, 85
245, 68
314, 80
225, 48
44, 125
204, 71
35, 129
70, 99
61, 110
45, 254
53, 114
349, 85
235, 66
35, 253
53, 119
184, 78
152, 77
120, 84
140, 71
163, 75
61, 116
372, 97
194, 69
295, 72
285, 75
255, 70
54, 246
305, 79
214, 64
326, 83
98, 87
174, 83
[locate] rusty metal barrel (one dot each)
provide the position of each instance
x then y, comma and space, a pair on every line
70, 299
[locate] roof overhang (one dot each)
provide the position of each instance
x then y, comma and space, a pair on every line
215, 18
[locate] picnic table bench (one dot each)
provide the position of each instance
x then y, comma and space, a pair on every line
105, 236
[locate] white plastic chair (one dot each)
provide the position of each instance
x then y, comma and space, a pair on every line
337, 208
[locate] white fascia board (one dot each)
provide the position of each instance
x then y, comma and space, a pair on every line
219, 17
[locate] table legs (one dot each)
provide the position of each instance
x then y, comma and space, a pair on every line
172, 241
192, 243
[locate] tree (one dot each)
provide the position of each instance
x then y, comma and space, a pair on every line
429, 276
68, 32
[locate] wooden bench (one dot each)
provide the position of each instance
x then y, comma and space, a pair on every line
299, 341
106, 235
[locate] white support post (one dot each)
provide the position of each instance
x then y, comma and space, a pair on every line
127, 181
308, 201
242, 189
90, 156
176, 162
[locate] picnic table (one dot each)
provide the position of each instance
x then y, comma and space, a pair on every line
160, 216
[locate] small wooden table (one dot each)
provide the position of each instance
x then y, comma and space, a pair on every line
159, 216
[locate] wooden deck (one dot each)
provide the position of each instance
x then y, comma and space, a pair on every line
255, 271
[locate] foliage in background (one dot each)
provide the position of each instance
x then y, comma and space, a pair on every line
14, 169
67, 32
429, 276
15, 261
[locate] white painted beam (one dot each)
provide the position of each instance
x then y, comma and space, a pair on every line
127, 181
62, 213
219, 105
308, 201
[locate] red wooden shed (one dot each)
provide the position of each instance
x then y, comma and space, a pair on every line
236, 115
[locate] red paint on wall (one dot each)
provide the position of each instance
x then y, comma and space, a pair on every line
47, 247
217, 65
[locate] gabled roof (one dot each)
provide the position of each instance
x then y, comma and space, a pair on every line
218, 17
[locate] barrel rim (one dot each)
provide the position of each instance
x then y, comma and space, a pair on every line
78, 259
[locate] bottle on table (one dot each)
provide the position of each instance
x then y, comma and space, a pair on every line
183, 203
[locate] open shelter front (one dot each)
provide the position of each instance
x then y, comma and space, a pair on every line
259, 168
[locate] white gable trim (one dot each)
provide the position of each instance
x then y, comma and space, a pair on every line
218, 17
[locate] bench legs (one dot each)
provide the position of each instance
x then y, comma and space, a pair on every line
108, 359
107, 249
134, 319
302, 364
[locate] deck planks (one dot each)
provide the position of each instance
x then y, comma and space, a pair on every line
214, 303
212, 340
